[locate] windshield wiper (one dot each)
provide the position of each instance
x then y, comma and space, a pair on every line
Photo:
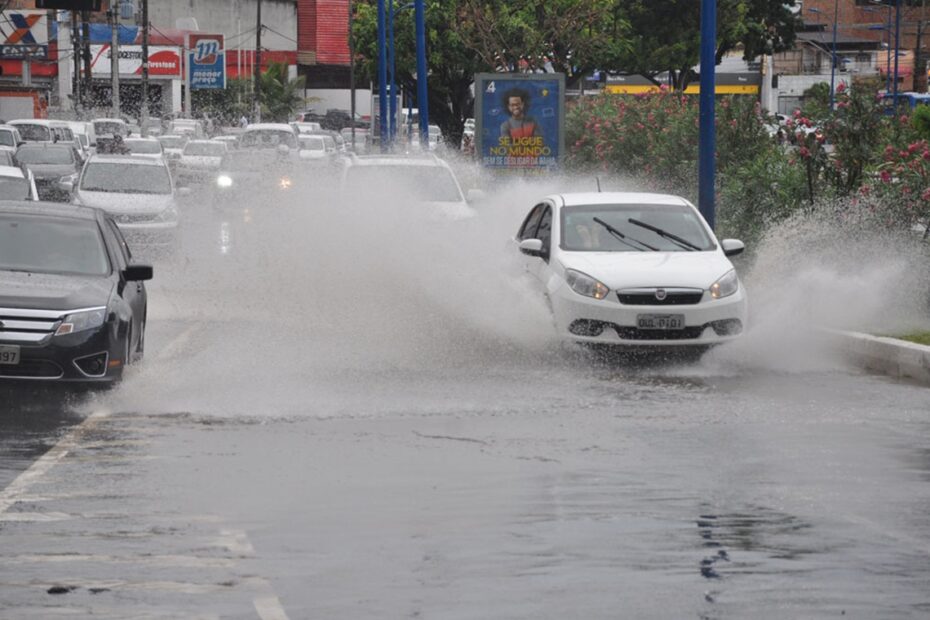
684, 243
623, 238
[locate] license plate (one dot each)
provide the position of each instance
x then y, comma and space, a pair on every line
9, 355
660, 321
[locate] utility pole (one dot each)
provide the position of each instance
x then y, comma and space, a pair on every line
258, 65
75, 46
352, 74
85, 51
422, 71
114, 59
144, 116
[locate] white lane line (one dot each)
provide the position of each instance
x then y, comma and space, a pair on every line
177, 343
15, 491
269, 608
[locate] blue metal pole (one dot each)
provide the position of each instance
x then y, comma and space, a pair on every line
897, 39
708, 136
382, 78
833, 57
888, 59
422, 91
393, 115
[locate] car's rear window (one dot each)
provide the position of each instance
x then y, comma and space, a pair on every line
144, 147
51, 245
204, 149
34, 133
39, 154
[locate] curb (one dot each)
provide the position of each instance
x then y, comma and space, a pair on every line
890, 356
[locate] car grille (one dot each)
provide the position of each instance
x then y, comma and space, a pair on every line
28, 326
672, 297
634, 333
32, 369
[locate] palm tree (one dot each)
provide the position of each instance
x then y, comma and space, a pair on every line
280, 96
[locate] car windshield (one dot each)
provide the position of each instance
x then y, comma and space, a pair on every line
582, 233
39, 154
312, 144
268, 138
12, 188
50, 245
126, 178
143, 147
35, 133
7, 138
423, 183
108, 128
204, 149
172, 142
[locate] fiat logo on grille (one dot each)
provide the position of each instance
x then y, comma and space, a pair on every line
661, 294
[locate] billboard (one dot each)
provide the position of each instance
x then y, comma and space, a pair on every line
206, 61
519, 120
164, 61
24, 34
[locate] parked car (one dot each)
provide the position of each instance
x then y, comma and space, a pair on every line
17, 184
72, 302
51, 164
138, 193
632, 269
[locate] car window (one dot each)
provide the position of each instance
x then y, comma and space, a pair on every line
6, 159
109, 128
172, 142
268, 138
528, 230
7, 138
544, 232
12, 188
206, 149
143, 147
50, 245
126, 178
580, 231
34, 133
310, 143
39, 154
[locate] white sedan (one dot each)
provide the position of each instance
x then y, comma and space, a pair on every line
633, 269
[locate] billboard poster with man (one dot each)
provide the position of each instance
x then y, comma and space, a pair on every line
520, 120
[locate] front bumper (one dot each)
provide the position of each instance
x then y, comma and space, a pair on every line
607, 321
69, 359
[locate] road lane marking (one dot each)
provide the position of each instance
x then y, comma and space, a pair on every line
269, 608
15, 491
177, 343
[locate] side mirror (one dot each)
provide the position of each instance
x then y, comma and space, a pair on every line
732, 247
184, 191
65, 186
475, 195
138, 273
532, 247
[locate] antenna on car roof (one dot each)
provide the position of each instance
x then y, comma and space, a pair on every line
598, 179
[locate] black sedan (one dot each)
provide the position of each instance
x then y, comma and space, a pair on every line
72, 303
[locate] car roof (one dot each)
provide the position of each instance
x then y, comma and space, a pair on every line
267, 126
125, 159
55, 209
11, 171
638, 198
30, 121
8, 127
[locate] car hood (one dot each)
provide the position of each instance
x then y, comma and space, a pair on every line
51, 171
125, 204
634, 269
39, 291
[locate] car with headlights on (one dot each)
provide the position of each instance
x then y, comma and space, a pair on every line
51, 164
634, 269
259, 176
200, 161
72, 302
138, 193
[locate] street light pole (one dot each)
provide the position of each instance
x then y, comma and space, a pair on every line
833, 57
422, 90
114, 60
707, 143
897, 39
392, 113
145, 68
382, 78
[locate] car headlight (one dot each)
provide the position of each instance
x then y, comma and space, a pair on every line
584, 284
285, 183
224, 181
725, 286
81, 321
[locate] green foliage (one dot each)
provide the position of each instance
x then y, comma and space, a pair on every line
817, 101
920, 120
226, 106
280, 97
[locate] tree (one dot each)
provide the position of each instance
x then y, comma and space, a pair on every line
280, 96
666, 35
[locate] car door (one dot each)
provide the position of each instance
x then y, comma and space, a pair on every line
540, 267
133, 293
529, 230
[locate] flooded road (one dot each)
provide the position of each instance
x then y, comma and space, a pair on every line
341, 418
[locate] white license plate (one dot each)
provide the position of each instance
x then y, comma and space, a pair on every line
9, 355
660, 321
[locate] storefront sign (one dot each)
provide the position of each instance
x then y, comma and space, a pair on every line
24, 34
164, 61
206, 57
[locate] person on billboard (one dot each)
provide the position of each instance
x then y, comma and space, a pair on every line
519, 125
